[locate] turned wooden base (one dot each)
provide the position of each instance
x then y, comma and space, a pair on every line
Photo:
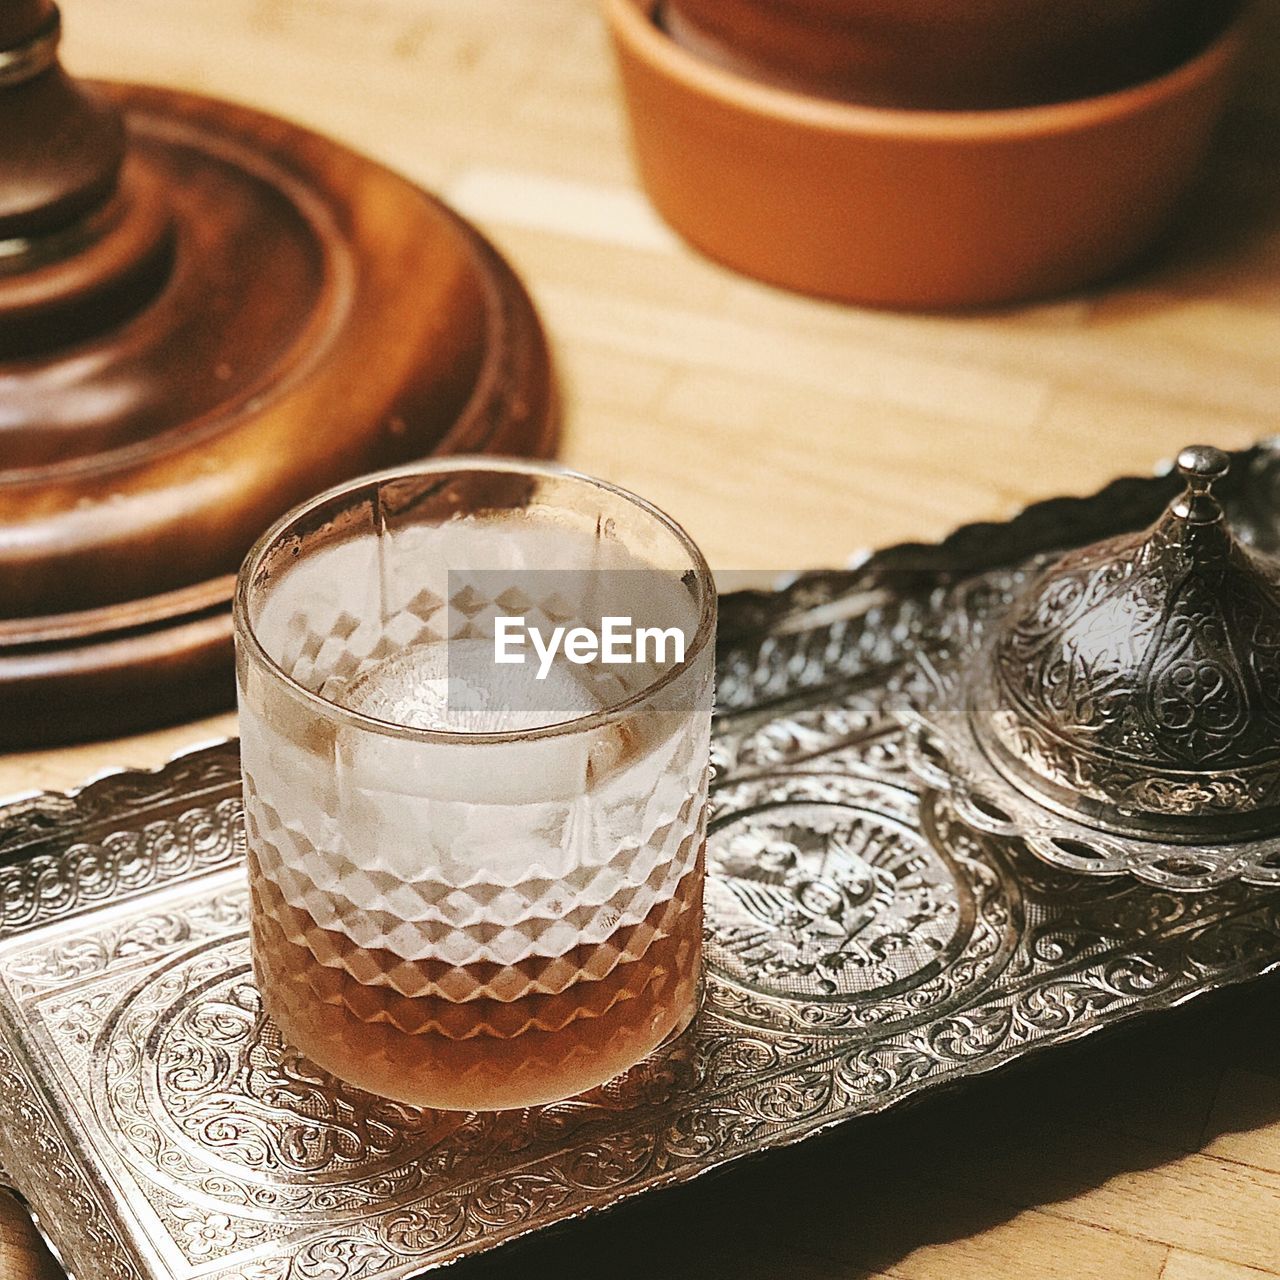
257, 314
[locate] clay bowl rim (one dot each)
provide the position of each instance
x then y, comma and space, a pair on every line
634, 23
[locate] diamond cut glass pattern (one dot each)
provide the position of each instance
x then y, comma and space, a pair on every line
477, 903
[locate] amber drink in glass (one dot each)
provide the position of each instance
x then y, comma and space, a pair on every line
474, 886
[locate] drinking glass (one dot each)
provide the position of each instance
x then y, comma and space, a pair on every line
474, 886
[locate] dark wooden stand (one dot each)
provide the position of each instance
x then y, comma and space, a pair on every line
206, 315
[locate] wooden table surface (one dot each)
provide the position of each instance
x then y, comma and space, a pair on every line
785, 433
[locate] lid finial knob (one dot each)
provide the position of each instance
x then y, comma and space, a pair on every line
1201, 465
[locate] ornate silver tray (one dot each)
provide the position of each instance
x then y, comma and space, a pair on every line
866, 945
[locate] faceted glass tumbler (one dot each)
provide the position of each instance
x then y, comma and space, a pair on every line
474, 886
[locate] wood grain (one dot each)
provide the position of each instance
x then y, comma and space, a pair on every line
22, 1254
787, 433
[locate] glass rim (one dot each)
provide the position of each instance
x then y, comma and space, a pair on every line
246, 636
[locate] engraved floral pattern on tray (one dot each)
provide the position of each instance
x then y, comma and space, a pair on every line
865, 944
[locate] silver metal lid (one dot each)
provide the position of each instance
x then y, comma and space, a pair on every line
1135, 686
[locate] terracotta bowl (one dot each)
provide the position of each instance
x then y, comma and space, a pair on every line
914, 209
939, 53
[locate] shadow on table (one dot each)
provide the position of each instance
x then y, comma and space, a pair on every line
859, 1201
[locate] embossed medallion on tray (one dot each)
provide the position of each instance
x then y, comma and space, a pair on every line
867, 943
